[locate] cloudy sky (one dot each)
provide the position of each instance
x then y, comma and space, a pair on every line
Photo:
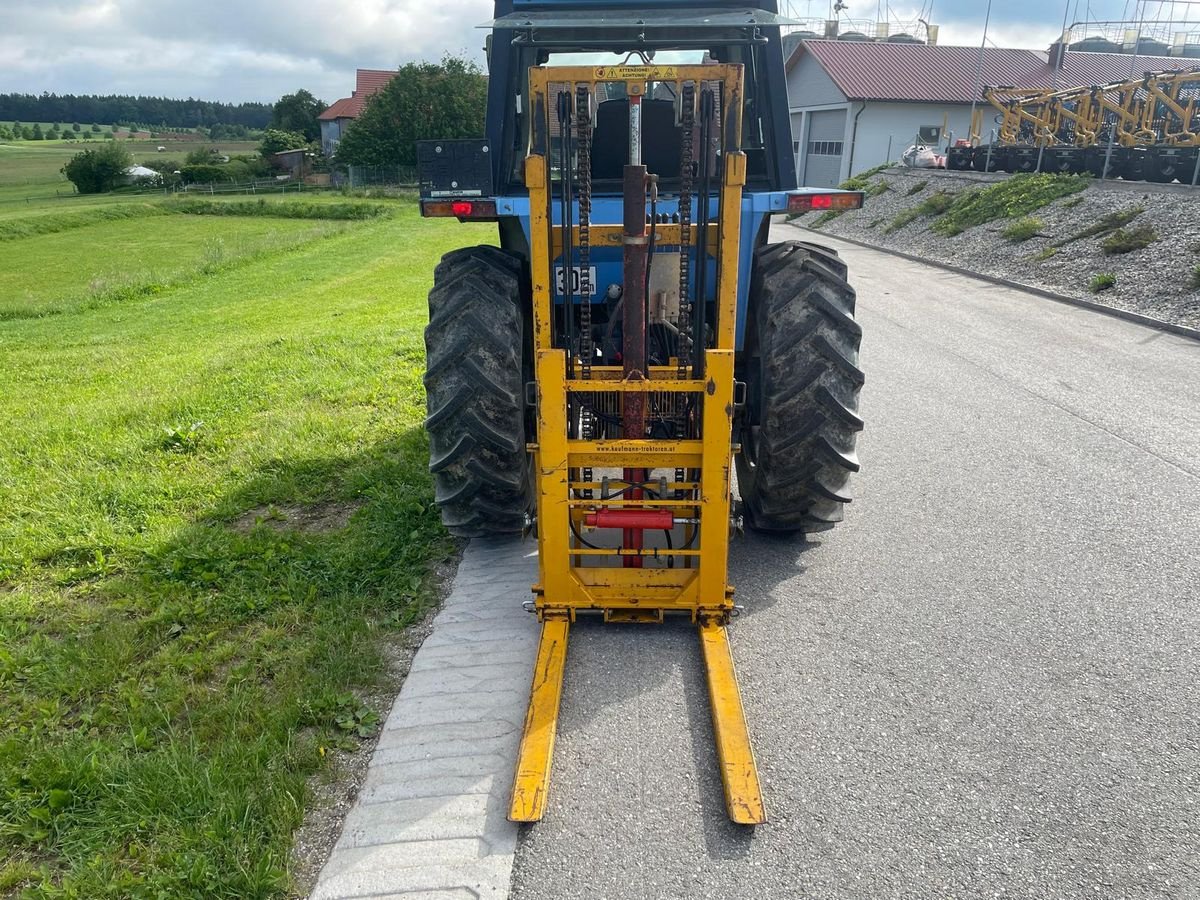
260, 49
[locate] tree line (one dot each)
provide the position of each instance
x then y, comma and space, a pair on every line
123, 109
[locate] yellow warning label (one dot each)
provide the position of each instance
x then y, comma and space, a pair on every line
635, 73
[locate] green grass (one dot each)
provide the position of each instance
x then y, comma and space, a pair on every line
860, 181
1016, 196
1107, 224
1103, 282
33, 168
296, 208
1023, 229
95, 264
179, 643
14, 227
934, 205
1194, 278
916, 188
1044, 254
1127, 240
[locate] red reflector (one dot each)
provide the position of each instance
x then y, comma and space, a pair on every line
834, 200
463, 209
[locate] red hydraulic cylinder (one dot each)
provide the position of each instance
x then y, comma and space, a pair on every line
633, 519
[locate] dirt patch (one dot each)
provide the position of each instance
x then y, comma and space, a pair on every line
331, 794
315, 518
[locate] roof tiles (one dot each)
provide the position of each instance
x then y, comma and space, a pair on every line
920, 73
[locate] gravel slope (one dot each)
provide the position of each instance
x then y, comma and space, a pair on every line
1155, 281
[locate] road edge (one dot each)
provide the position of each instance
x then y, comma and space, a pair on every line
430, 818
1114, 312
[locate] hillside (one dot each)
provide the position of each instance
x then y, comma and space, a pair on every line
1133, 246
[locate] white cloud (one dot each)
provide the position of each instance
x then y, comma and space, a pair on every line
252, 50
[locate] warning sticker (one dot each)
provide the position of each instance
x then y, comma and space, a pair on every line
635, 73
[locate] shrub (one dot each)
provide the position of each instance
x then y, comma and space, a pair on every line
97, 171
1127, 240
1044, 254
1194, 278
917, 188
1102, 282
875, 188
1022, 229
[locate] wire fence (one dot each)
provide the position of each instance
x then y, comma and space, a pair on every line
376, 176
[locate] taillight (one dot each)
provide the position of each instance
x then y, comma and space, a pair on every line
832, 200
462, 209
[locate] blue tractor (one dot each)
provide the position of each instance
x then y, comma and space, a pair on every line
595, 376
795, 337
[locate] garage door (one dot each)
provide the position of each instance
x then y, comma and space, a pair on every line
823, 154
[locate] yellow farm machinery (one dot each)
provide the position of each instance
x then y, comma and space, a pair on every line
635, 338
1152, 123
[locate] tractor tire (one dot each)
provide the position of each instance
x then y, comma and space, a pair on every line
800, 365
475, 375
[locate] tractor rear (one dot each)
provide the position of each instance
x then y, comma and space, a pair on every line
597, 377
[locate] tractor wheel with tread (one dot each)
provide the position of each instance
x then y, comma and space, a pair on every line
801, 367
476, 369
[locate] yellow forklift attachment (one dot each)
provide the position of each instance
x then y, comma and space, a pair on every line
633, 461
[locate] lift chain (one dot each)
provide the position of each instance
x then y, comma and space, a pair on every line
583, 113
687, 121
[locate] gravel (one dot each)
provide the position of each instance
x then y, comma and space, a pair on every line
1156, 281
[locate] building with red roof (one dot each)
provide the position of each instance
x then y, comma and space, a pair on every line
341, 113
857, 104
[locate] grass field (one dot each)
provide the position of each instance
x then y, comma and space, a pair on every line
214, 507
32, 169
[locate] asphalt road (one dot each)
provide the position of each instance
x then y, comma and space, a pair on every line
986, 682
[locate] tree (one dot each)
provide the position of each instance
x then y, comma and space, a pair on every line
5, 134
96, 171
52, 134
37, 131
298, 112
425, 100
96, 129
202, 156
275, 141
76, 128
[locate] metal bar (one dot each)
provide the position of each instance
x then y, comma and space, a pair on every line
531, 781
554, 521
565, 225
735, 756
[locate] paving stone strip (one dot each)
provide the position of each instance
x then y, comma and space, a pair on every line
430, 821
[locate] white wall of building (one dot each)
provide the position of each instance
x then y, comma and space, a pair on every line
883, 130
886, 129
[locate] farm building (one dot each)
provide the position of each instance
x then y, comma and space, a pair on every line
341, 113
857, 104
